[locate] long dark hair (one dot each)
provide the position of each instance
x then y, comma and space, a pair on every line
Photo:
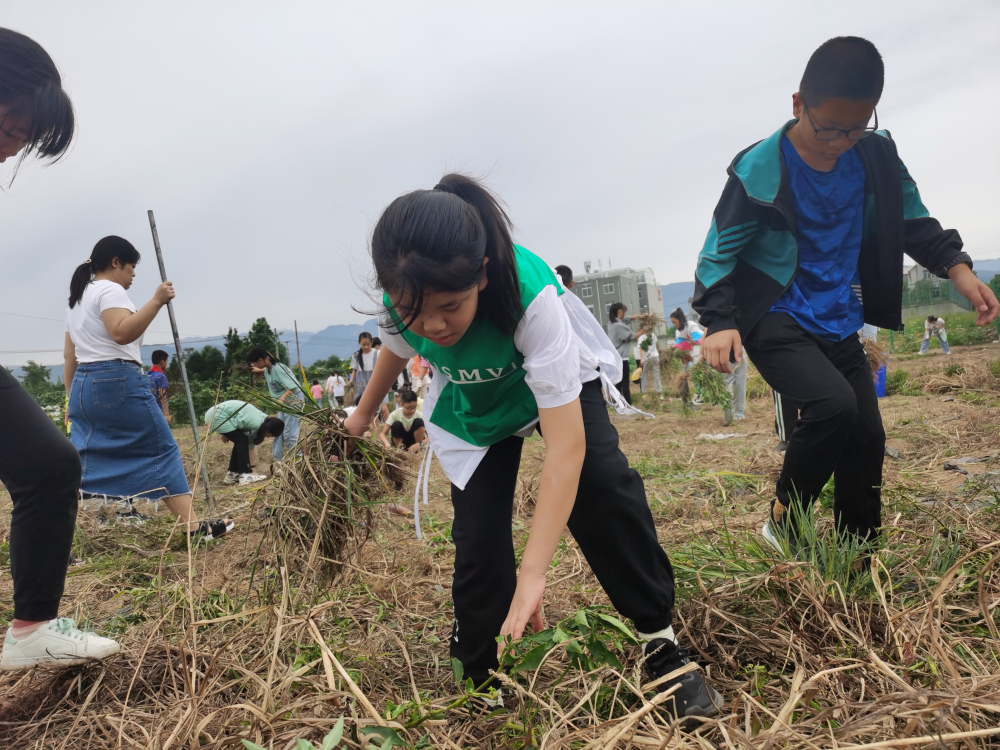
105, 251
680, 317
435, 241
30, 85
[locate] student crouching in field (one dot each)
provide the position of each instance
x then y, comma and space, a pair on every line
934, 326
805, 247
125, 444
405, 424
241, 424
512, 352
287, 391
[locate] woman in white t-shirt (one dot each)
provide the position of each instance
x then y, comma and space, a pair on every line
125, 444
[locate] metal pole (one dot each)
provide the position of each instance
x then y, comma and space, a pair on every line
183, 369
298, 356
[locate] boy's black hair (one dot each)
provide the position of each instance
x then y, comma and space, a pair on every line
680, 316
376, 341
30, 85
105, 251
932, 318
406, 396
340, 413
315, 382
257, 353
566, 274
159, 356
613, 310
431, 241
845, 66
364, 335
272, 426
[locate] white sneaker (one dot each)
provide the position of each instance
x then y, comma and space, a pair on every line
57, 643
231, 478
251, 478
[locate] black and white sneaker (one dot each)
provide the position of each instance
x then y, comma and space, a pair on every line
213, 529
694, 697
132, 516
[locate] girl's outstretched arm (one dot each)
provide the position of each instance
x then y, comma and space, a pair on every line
565, 446
387, 369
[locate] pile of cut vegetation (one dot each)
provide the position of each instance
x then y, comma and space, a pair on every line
325, 623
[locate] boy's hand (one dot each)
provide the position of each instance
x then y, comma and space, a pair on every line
715, 349
981, 296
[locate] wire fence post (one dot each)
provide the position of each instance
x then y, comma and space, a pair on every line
184, 378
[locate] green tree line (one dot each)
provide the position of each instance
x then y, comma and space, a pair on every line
213, 373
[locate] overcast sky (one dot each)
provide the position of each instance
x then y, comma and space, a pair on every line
268, 136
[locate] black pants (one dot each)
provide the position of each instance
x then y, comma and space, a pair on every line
610, 521
239, 458
839, 431
408, 436
625, 384
786, 414
41, 470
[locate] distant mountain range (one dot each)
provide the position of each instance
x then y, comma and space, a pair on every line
341, 340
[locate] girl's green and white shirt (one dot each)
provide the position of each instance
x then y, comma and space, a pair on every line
489, 386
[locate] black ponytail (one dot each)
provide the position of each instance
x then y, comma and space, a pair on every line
31, 87
680, 317
435, 241
105, 251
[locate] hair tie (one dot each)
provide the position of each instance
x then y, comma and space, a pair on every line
87, 262
442, 188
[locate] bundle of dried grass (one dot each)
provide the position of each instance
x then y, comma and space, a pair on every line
876, 355
323, 502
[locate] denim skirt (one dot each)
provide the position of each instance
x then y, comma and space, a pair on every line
125, 444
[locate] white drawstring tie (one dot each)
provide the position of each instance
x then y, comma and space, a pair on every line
423, 475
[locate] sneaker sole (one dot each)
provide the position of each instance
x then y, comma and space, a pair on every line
16, 665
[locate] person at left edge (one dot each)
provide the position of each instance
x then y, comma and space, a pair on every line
511, 350
284, 389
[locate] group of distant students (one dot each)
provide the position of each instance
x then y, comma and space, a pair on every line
781, 274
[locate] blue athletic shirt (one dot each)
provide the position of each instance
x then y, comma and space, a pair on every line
829, 211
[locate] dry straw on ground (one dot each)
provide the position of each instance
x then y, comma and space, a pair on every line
325, 611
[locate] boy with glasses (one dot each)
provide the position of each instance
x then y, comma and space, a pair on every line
806, 245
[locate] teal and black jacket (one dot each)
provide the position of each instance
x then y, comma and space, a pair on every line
751, 254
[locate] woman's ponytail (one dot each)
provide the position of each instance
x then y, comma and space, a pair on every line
81, 277
436, 240
104, 252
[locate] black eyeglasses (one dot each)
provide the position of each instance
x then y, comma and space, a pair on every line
832, 134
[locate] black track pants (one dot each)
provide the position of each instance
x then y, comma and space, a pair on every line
839, 431
786, 414
239, 459
41, 470
610, 521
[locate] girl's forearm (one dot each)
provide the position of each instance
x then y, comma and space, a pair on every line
558, 486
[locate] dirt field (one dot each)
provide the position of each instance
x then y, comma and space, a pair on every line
219, 644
